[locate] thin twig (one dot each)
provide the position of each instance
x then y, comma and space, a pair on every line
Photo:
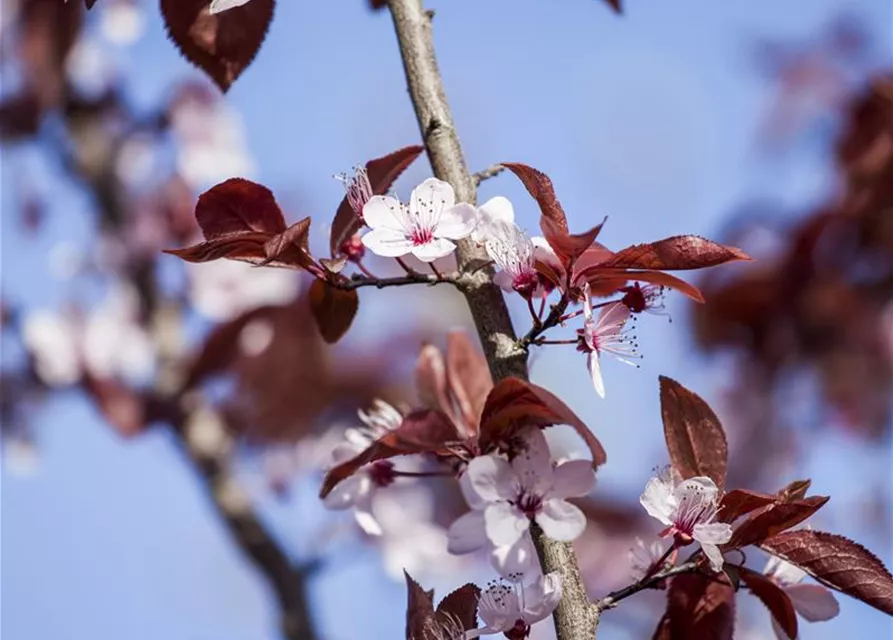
358, 281
614, 597
552, 320
490, 172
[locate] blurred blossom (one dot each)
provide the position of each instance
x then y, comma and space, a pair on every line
642, 557
66, 260
137, 161
49, 338
255, 337
887, 329
211, 138
90, 68
223, 289
122, 22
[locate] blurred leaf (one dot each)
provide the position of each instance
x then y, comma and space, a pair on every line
469, 376
615, 5
431, 380
701, 607
333, 309
695, 439
222, 44
122, 407
774, 597
674, 254
836, 562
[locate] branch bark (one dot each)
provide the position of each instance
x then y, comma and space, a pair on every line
575, 618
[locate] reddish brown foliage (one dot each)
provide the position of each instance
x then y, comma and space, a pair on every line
423, 622
775, 599
333, 309
774, 519
699, 606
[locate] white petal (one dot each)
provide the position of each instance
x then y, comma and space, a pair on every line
561, 520
456, 222
658, 500
784, 572
611, 318
467, 533
344, 451
714, 555
431, 251
385, 212
432, 194
365, 519
542, 597
573, 479
533, 465
499, 608
595, 373
545, 253
696, 491
518, 559
488, 479
812, 601
504, 523
218, 6
387, 243
713, 533
504, 281
498, 209
347, 492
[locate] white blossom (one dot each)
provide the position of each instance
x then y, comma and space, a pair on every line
513, 252
605, 335
511, 608
494, 213
642, 557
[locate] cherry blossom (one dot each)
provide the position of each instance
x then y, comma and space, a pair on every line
688, 508
505, 497
223, 289
493, 214
647, 298
50, 339
358, 188
426, 227
643, 557
513, 252
359, 489
813, 602
605, 335
511, 608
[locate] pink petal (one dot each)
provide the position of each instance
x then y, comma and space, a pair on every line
533, 465
714, 555
561, 520
387, 243
349, 491
595, 373
457, 222
499, 609
365, 519
516, 559
498, 209
385, 212
467, 533
658, 500
431, 251
713, 533
487, 479
695, 492
504, 524
573, 479
504, 281
431, 194
541, 597
612, 317
812, 601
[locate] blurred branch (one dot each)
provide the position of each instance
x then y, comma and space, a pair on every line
490, 172
358, 281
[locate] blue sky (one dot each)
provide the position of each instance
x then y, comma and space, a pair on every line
649, 119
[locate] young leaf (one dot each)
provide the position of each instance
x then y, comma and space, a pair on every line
423, 431
333, 309
291, 247
568, 247
794, 491
460, 605
539, 186
220, 44
468, 376
774, 519
774, 597
739, 502
382, 173
514, 403
838, 563
419, 609
607, 281
674, 254
695, 438
701, 607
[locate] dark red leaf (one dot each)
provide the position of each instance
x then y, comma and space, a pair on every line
662, 632
539, 186
419, 609
222, 45
89, 3
238, 205
382, 173
794, 491
775, 599
514, 403
695, 438
291, 247
333, 309
615, 5
838, 563
739, 502
378, 4
247, 246
461, 605
772, 520
121, 406
700, 607
422, 431
468, 376
674, 254
568, 247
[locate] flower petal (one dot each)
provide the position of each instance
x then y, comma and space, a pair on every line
612, 318
488, 479
783, 572
812, 601
385, 212
697, 490
504, 281
712, 533
467, 533
499, 608
714, 555
504, 523
518, 559
457, 222
595, 373
387, 243
349, 491
541, 597
658, 500
431, 251
533, 465
498, 209
561, 520
365, 519
431, 196
573, 479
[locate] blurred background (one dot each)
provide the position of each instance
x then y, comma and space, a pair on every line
767, 125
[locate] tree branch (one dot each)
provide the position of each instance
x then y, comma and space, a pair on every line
490, 172
358, 281
575, 617
614, 597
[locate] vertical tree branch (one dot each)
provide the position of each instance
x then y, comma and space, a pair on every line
575, 617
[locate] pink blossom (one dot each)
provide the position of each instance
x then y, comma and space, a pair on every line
512, 608
813, 602
688, 508
358, 188
605, 335
643, 557
639, 298
513, 252
425, 228
505, 497
493, 214
358, 490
